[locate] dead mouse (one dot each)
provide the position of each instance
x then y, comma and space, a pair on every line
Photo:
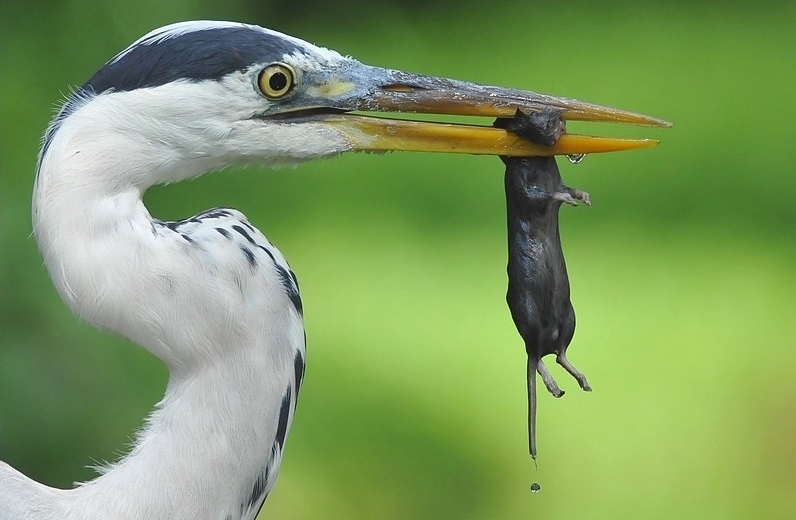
538, 288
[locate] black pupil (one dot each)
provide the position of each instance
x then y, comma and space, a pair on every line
277, 81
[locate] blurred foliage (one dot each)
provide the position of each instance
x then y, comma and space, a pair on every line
683, 271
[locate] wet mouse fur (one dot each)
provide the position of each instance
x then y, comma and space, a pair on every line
538, 288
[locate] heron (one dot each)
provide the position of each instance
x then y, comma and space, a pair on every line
210, 295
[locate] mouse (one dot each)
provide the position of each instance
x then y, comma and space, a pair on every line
538, 294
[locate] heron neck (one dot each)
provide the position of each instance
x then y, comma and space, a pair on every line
201, 454
227, 331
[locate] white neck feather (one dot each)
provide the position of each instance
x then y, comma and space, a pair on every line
199, 457
227, 330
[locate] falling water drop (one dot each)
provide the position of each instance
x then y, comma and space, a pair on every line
535, 487
576, 158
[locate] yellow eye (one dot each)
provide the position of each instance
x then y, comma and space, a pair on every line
276, 80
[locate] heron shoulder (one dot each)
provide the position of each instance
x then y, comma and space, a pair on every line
228, 232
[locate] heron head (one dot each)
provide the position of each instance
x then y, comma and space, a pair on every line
197, 96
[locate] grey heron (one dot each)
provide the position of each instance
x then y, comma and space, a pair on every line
210, 295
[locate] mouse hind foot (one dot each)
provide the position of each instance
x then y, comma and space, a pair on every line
549, 382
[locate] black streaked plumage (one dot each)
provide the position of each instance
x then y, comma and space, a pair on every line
287, 277
538, 290
284, 414
245, 234
258, 490
249, 256
298, 366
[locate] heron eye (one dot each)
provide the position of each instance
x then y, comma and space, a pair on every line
276, 80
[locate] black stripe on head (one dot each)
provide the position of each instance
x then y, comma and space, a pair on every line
205, 54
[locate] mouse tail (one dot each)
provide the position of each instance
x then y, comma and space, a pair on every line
533, 365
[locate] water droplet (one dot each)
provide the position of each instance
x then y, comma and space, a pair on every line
576, 158
535, 487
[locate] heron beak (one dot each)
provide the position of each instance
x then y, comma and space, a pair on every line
396, 91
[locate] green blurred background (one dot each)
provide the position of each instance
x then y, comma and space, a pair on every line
683, 272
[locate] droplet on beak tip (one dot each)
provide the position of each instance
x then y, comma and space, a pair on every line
576, 158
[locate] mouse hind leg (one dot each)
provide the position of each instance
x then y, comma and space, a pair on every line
562, 360
549, 382
568, 330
